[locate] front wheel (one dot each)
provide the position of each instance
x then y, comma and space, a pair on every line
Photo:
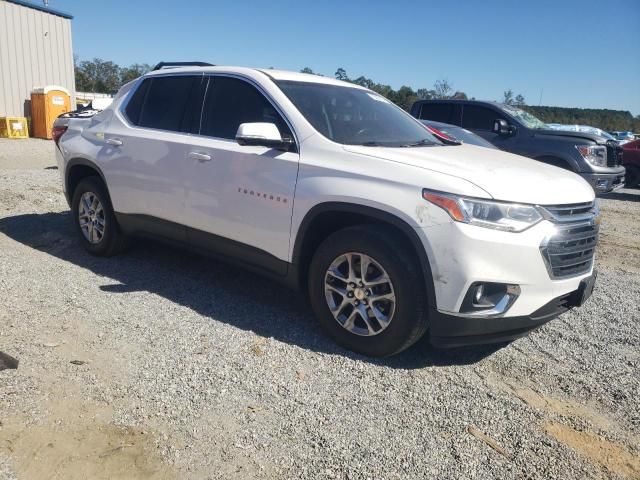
94, 218
632, 176
367, 291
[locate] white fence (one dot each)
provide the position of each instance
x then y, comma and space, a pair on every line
86, 97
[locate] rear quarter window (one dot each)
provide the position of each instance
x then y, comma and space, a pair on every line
134, 107
165, 103
438, 112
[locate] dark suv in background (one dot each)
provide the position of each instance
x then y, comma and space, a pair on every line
596, 159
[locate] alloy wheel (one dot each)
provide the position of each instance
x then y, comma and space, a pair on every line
360, 294
91, 217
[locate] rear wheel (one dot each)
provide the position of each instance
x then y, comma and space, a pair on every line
95, 220
367, 291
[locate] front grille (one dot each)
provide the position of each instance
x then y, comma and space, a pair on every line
571, 249
614, 154
564, 213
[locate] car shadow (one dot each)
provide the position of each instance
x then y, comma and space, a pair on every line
213, 289
627, 195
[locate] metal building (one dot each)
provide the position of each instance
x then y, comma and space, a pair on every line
35, 51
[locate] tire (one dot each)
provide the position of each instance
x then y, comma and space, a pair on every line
632, 176
406, 317
106, 242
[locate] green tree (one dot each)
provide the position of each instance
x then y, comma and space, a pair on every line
519, 100
365, 82
97, 75
425, 94
507, 97
133, 71
605, 119
405, 97
307, 70
341, 74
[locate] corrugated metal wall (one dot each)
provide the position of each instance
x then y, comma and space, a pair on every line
35, 50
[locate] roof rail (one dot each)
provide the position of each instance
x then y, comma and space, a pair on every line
162, 65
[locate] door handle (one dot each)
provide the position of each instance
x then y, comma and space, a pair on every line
116, 142
201, 157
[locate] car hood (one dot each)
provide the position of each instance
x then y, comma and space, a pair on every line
571, 134
504, 176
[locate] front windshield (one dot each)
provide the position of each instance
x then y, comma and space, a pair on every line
352, 116
606, 135
526, 118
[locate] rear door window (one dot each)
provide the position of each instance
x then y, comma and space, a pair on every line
438, 112
232, 101
167, 103
475, 117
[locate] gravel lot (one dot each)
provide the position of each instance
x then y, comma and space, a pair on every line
187, 368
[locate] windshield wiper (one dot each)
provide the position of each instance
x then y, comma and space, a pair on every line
421, 143
370, 144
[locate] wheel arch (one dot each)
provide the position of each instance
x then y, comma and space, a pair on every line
329, 217
76, 170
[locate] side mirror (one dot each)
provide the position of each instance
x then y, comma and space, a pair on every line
501, 127
262, 134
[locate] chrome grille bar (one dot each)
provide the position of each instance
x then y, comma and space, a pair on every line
570, 250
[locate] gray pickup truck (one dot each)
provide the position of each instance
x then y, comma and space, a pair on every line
596, 159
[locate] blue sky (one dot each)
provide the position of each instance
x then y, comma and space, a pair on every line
578, 53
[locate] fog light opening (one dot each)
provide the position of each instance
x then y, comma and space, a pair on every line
489, 298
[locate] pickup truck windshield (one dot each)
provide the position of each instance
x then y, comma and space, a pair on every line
352, 116
526, 118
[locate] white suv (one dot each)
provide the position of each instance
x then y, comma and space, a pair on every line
334, 190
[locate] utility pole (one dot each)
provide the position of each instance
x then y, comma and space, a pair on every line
540, 101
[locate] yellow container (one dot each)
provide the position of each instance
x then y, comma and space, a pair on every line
47, 104
13, 127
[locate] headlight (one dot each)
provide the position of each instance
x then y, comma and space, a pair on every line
509, 217
596, 155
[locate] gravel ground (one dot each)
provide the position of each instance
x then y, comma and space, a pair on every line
187, 368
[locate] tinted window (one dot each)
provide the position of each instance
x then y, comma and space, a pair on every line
134, 107
230, 102
438, 112
165, 103
479, 118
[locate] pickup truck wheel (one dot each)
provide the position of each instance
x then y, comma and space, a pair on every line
367, 292
93, 215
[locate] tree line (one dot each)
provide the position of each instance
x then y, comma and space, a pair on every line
608, 120
102, 76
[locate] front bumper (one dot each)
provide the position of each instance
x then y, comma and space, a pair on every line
448, 331
461, 254
604, 182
